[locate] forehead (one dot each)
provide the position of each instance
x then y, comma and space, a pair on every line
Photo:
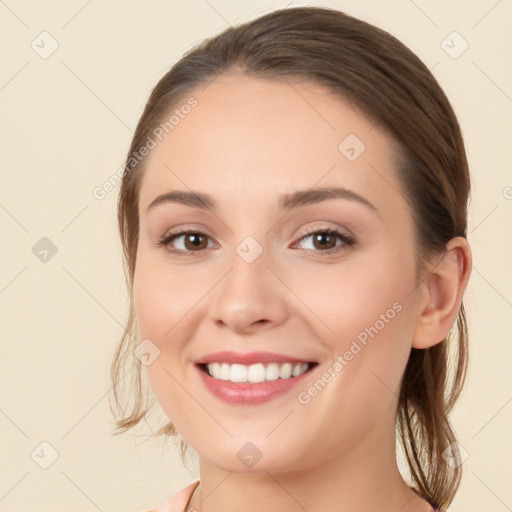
254, 137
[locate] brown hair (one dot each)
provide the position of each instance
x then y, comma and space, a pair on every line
377, 73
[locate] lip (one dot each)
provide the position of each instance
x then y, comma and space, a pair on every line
248, 358
246, 393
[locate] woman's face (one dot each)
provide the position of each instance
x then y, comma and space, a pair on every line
265, 278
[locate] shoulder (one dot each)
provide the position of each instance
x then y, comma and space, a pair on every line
177, 502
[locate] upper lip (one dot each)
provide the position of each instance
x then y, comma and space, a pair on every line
248, 358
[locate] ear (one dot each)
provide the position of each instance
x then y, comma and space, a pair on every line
441, 294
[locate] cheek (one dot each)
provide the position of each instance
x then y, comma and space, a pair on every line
366, 313
163, 295
370, 310
169, 302
162, 300
348, 297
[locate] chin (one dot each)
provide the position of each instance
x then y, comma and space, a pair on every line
241, 455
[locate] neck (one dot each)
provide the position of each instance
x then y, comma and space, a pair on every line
366, 478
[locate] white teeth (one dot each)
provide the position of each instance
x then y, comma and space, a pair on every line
285, 371
272, 371
255, 372
225, 371
238, 373
297, 370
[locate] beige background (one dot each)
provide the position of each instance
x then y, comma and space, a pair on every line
66, 123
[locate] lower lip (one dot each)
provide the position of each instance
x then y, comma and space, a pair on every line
245, 393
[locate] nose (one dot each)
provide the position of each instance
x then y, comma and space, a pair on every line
249, 298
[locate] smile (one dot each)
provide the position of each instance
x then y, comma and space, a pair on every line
255, 373
247, 378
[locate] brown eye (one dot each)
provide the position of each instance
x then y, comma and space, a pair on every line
195, 241
326, 241
184, 242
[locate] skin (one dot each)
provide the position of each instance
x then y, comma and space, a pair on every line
247, 142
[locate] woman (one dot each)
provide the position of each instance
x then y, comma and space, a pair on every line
293, 216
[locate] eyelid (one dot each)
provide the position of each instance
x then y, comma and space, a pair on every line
347, 240
182, 229
326, 227
170, 235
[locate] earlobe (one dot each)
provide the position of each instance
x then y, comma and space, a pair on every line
442, 293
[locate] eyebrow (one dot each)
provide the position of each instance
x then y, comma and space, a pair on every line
286, 201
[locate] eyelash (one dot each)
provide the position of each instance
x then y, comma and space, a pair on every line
166, 240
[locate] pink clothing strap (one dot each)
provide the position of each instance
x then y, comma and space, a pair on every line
178, 502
